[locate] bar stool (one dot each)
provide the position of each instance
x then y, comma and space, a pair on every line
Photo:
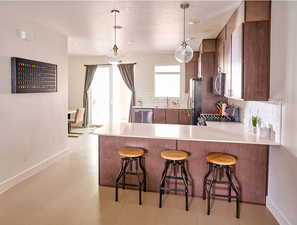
176, 160
131, 156
218, 163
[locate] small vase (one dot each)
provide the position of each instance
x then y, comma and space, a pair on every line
254, 130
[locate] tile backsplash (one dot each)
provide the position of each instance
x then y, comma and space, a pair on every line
171, 102
269, 114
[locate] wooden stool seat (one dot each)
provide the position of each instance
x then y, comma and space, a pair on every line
222, 159
174, 155
131, 152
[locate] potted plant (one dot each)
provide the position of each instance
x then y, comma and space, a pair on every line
255, 121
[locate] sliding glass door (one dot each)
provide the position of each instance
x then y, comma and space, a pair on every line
109, 97
101, 96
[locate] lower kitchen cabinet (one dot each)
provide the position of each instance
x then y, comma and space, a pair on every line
185, 116
172, 116
162, 116
159, 115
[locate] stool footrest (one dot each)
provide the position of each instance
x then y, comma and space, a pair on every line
133, 173
218, 182
174, 190
174, 178
130, 185
223, 196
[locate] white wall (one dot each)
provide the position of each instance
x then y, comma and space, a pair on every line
33, 126
282, 188
144, 75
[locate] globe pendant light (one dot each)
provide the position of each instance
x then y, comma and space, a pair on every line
184, 53
114, 59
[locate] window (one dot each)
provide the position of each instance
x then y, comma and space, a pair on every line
167, 81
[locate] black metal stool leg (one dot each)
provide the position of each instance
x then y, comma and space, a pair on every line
185, 180
209, 196
205, 180
229, 193
162, 182
143, 172
212, 181
124, 175
140, 182
229, 176
121, 173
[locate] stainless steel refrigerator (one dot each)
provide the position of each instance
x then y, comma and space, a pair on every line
196, 85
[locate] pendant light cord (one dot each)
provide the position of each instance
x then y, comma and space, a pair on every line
184, 24
115, 28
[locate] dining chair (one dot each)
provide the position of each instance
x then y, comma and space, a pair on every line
78, 119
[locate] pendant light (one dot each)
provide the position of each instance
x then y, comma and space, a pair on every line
184, 53
114, 59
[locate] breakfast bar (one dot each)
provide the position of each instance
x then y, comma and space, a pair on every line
250, 150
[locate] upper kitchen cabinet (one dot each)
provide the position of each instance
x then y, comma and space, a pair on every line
207, 51
257, 11
256, 42
208, 46
243, 52
191, 70
209, 70
236, 63
220, 45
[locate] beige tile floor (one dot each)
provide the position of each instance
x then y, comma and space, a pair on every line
67, 193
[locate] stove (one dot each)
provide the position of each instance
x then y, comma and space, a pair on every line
215, 117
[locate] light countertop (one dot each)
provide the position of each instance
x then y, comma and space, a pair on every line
227, 132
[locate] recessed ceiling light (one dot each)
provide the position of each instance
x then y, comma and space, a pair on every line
193, 22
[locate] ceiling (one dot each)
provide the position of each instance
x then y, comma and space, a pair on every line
148, 26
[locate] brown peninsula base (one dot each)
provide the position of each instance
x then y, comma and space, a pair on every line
251, 169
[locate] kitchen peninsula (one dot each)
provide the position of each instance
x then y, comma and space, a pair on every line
251, 151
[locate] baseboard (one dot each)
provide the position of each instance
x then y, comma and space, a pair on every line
12, 181
277, 213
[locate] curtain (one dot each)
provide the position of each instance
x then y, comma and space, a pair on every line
90, 72
127, 73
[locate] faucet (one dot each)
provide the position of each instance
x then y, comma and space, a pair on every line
167, 101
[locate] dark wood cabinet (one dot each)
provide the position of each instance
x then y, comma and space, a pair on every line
256, 42
172, 116
237, 63
208, 45
159, 116
227, 63
246, 50
185, 116
221, 51
191, 70
209, 71
257, 11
